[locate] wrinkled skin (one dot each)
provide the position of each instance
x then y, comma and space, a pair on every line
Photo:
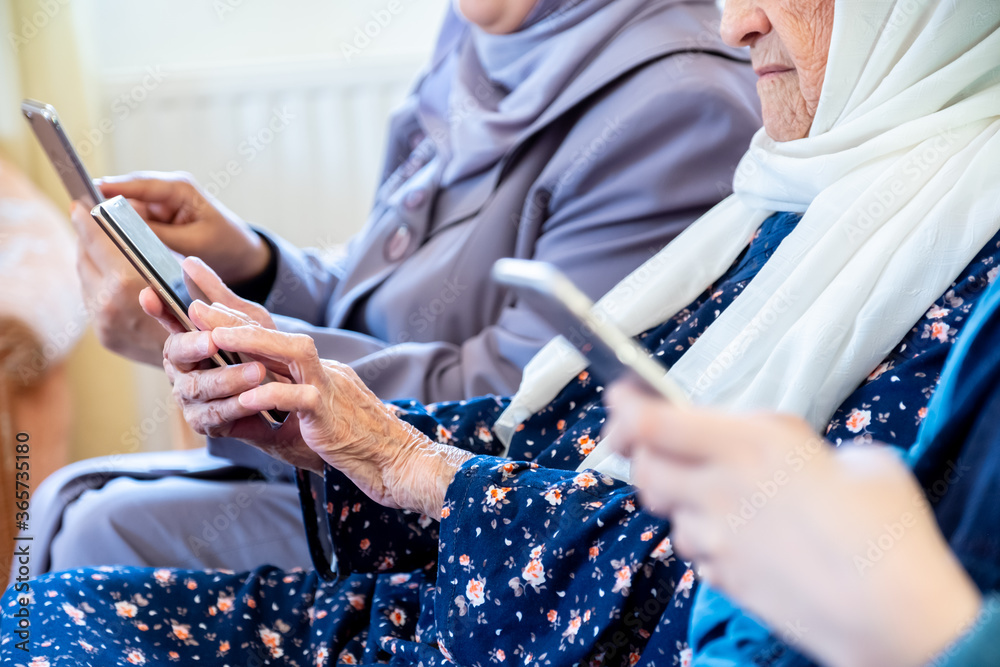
335, 419
789, 44
793, 559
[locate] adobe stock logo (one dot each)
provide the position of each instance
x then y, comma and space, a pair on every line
363, 35
252, 146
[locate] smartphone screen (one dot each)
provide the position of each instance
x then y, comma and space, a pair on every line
45, 123
154, 260
158, 258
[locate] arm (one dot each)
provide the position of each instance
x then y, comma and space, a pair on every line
578, 534
403, 540
644, 160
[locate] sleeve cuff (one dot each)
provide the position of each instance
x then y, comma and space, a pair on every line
978, 647
259, 287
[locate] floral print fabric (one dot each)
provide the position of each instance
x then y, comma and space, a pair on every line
532, 563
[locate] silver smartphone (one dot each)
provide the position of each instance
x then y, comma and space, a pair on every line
44, 122
160, 268
612, 353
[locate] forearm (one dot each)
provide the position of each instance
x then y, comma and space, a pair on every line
370, 536
419, 479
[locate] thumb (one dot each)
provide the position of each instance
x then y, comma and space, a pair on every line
211, 284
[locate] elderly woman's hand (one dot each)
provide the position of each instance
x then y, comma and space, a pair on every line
334, 418
207, 394
835, 548
343, 422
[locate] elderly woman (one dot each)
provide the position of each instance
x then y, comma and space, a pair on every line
831, 286
585, 133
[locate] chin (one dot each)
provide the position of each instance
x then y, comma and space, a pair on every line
496, 16
785, 124
785, 112
483, 13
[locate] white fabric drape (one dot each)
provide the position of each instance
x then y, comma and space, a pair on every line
899, 181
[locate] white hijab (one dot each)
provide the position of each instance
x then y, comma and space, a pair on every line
899, 181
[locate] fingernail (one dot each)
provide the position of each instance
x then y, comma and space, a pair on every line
205, 343
244, 398
251, 373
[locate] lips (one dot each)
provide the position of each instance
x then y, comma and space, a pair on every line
771, 69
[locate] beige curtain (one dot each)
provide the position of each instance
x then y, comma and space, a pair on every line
46, 56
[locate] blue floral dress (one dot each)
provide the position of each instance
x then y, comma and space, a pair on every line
532, 563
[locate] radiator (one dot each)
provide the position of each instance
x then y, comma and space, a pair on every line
293, 146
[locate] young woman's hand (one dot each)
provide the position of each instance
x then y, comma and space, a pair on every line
111, 286
185, 218
836, 549
193, 223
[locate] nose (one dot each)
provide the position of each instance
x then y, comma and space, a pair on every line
743, 23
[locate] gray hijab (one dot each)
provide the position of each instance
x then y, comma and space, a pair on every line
482, 91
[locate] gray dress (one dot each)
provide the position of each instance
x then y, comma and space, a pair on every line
635, 148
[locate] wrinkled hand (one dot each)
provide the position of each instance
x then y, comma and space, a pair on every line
839, 543
343, 422
112, 287
191, 222
209, 395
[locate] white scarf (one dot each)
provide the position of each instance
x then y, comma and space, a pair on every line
899, 181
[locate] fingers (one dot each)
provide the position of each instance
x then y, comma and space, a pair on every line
297, 351
642, 419
694, 536
187, 350
155, 308
216, 418
90, 275
664, 483
207, 317
217, 291
93, 241
302, 398
168, 189
216, 383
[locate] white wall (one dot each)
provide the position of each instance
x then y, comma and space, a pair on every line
212, 32
218, 66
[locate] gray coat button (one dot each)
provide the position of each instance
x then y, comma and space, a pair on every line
414, 199
398, 243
